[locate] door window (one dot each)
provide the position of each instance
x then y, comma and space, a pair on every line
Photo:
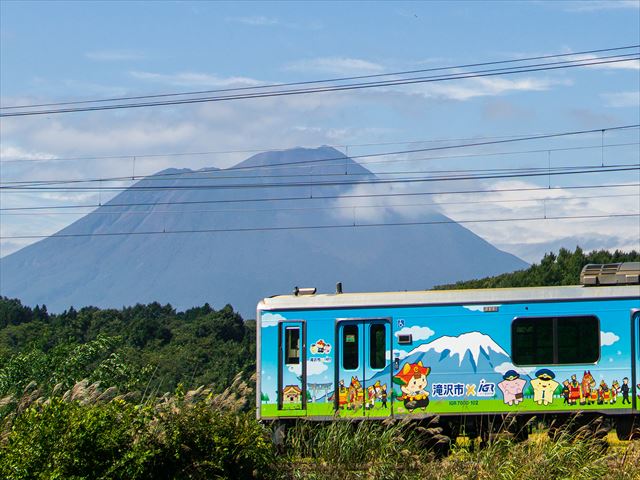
350, 344
377, 346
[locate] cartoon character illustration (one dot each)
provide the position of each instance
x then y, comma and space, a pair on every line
372, 393
512, 387
320, 348
604, 394
413, 381
291, 394
589, 392
625, 390
565, 392
615, 389
543, 386
383, 395
355, 395
342, 395
575, 390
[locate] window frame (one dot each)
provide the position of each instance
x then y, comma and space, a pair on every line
554, 341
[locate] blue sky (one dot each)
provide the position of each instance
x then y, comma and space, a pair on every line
56, 51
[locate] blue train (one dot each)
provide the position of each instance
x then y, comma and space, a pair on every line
461, 354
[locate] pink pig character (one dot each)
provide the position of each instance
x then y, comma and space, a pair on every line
512, 387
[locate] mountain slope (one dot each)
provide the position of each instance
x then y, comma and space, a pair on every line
240, 267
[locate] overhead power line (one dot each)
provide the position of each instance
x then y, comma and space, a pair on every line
407, 180
321, 227
334, 88
22, 184
112, 204
327, 80
342, 158
332, 207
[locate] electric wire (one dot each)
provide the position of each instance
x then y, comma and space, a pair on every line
321, 227
597, 169
329, 80
332, 207
23, 184
335, 88
343, 158
112, 204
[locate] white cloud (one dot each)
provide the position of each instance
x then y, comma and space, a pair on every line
254, 21
599, 5
195, 79
627, 64
336, 65
271, 319
486, 86
506, 366
418, 333
114, 55
313, 368
608, 338
531, 239
622, 99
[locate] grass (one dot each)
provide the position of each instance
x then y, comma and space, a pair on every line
396, 450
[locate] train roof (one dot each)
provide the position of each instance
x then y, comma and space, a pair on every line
448, 297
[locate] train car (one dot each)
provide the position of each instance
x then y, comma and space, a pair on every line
456, 354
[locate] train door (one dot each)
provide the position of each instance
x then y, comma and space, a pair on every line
292, 368
363, 369
635, 338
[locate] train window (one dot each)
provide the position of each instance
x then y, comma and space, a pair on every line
377, 346
350, 344
578, 339
555, 340
292, 346
532, 341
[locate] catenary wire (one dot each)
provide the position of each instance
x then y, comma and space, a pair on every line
596, 169
321, 227
342, 158
325, 197
333, 207
17, 185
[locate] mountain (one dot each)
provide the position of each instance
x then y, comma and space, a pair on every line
243, 257
473, 356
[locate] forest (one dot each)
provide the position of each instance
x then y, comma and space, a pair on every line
150, 392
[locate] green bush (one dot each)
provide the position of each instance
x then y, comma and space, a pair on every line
118, 440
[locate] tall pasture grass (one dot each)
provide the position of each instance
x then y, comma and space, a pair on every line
349, 450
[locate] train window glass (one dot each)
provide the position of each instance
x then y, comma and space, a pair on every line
350, 344
532, 341
555, 340
292, 346
377, 346
578, 339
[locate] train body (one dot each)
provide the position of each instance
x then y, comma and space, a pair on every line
544, 350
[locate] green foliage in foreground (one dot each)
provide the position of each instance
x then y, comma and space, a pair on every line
178, 439
119, 440
554, 270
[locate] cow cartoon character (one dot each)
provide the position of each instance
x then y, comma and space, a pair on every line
512, 387
413, 382
543, 386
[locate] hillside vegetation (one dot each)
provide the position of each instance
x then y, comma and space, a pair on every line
562, 268
147, 392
